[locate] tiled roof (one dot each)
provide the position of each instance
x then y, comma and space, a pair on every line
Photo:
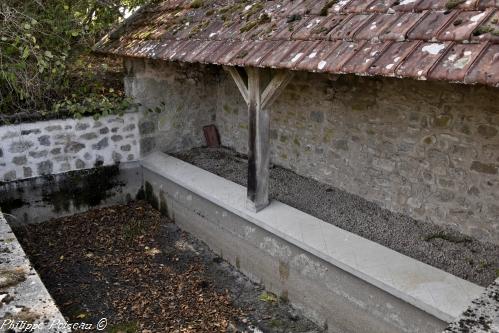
454, 40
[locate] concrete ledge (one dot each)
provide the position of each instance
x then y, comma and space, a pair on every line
23, 297
434, 291
482, 316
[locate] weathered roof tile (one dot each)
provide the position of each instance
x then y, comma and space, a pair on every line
456, 62
422, 59
483, 71
404, 23
391, 59
349, 27
431, 25
422, 39
379, 24
363, 59
462, 26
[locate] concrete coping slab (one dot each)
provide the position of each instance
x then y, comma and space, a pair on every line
483, 314
439, 293
24, 299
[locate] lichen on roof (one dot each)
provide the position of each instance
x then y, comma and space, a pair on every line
332, 35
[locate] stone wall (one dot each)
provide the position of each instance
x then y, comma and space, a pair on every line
176, 101
49, 147
426, 149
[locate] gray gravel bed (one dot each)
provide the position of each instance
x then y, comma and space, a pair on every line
438, 246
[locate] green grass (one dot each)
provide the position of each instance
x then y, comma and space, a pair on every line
130, 327
196, 3
449, 238
451, 4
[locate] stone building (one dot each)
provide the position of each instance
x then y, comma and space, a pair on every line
395, 101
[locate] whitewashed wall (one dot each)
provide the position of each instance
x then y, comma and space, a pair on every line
49, 147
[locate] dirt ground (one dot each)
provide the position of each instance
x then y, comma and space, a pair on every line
440, 247
137, 269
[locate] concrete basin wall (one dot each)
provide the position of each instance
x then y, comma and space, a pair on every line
330, 290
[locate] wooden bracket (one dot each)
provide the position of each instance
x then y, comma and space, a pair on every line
243, 89
275, 87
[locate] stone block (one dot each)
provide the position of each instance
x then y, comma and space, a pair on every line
44, 140
45, 168
103, 143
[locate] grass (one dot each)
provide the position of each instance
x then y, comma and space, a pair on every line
196, 3
447, 237
451, 4
268, 297
130, 327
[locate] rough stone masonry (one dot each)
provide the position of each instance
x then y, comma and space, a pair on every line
426, 149
49, 147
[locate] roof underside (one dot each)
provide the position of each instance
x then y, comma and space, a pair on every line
452, 40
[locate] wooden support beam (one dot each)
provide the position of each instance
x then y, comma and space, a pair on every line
275, 87
243, 89
259, 102
258, 145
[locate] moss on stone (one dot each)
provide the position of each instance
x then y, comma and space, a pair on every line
451, 4
82, 188
141, 195
428, 140
486, 168
198, 28
449, 238
163, 206
150, 196
7, 205
442, 121
196, 3
255, 8
325, 10
130, 327
11, 277
483, 29
248, 26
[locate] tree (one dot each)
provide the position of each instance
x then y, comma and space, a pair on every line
43, 47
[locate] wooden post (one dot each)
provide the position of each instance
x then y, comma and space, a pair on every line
259, 101
258, 145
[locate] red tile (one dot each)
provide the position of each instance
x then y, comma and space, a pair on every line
488, 30
455, 64
392, 57
331, 22
486, 68
364, 58
315, 55
429, 27
399, 29
422, 59
379, 24
461, 27
340, 56
348, 28
308, 29
484, 4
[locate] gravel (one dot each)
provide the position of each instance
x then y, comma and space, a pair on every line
441, 247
